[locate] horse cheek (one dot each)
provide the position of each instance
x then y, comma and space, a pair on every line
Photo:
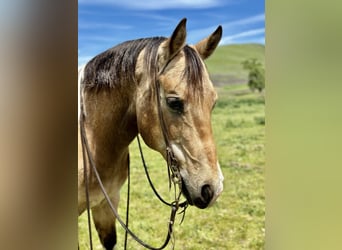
147, 126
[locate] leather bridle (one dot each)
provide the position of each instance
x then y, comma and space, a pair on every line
173, 174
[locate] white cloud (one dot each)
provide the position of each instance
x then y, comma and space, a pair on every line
156, 4
161, 19
228, 27
249, 33
97, 38
246, 21
101, 25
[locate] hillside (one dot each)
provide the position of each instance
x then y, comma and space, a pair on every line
225, 64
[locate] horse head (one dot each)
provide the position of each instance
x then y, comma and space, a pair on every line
187, 97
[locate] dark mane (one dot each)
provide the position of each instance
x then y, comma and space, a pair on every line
116, 66
193, 71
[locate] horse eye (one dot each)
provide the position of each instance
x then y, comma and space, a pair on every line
175, 103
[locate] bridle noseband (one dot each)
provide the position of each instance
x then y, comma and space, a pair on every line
173, 174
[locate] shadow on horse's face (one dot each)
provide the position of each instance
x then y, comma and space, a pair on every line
187, 100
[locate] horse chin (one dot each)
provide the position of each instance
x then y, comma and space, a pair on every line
185, 192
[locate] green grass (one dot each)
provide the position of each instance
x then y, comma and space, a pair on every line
236, 221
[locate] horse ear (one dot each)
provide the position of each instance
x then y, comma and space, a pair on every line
207, 46
177, 40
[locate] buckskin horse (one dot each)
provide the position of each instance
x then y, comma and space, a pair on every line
119, 100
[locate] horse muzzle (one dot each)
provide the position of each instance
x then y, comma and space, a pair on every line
205, 199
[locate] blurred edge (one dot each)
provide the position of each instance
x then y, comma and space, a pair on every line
303, 125
38, 125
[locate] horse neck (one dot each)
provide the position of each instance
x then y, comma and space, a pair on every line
111, 117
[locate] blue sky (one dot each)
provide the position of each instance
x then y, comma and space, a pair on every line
104, 23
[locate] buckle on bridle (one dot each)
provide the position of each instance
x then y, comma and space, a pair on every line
174, 166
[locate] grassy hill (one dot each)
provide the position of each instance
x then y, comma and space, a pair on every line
225, 64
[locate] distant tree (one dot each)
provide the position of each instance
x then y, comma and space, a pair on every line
256, 75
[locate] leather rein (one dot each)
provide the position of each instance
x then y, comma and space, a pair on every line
172, 168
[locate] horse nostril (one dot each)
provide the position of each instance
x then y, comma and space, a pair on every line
207, 194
